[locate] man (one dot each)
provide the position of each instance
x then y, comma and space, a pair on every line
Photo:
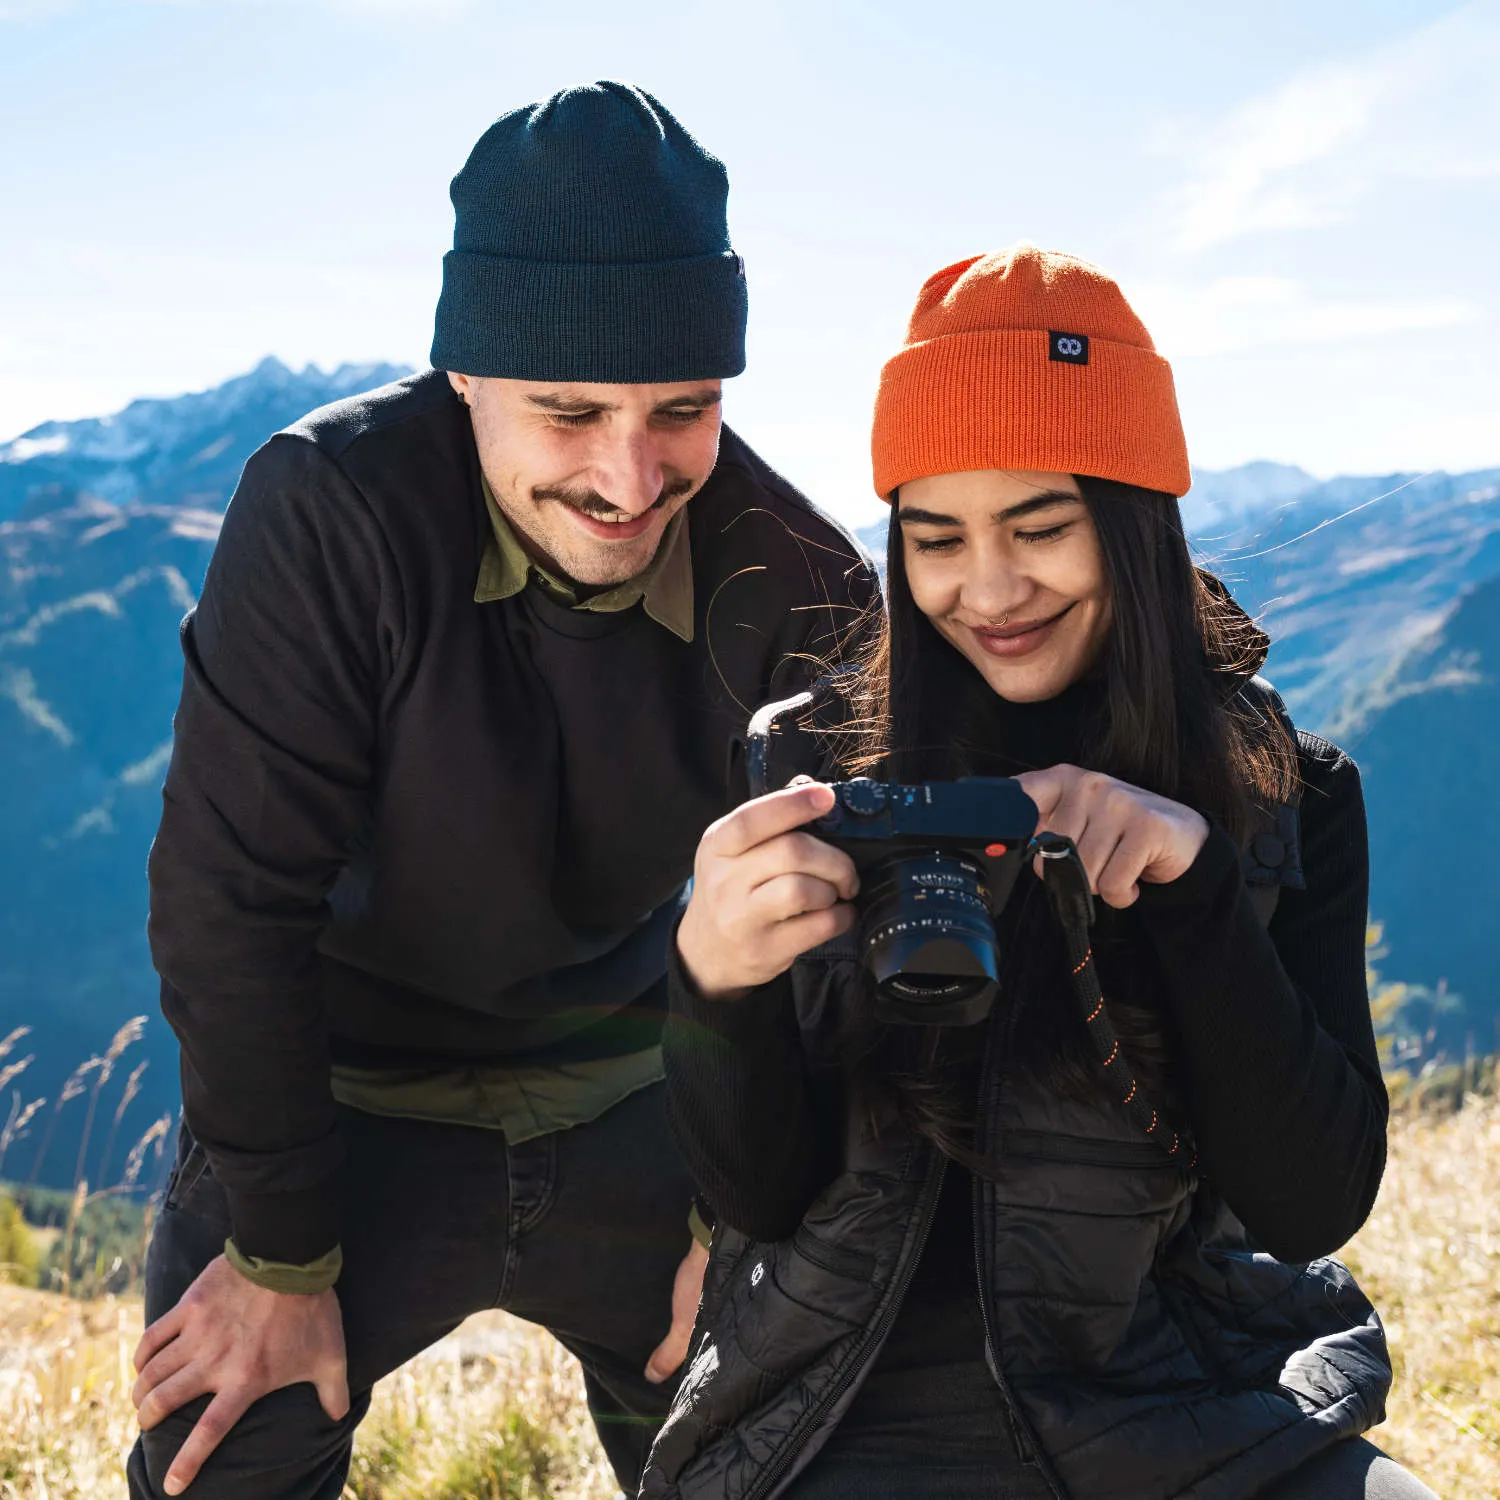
458, 702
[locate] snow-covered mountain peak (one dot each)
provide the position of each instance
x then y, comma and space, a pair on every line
163, 422
175, 449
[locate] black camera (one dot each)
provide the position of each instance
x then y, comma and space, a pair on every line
936, 863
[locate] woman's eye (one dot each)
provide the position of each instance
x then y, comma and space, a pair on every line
935, 544
1049, 535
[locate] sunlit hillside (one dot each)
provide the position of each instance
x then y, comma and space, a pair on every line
496, 1411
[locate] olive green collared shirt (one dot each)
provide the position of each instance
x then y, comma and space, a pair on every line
664, 589
528, 1101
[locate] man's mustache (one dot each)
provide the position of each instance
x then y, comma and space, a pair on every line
592, 503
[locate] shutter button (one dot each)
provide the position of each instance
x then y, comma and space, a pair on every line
1269, 851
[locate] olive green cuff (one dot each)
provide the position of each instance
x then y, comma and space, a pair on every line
700, 1228
276, 1276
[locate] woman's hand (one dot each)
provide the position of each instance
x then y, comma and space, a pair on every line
763, 893
1123, 835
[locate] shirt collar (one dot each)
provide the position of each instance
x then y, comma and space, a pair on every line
664, 588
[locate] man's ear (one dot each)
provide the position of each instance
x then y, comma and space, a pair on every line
463, 386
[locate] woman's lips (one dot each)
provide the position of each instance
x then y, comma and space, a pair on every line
1017, 640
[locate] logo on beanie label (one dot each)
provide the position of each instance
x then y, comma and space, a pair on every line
1070, 348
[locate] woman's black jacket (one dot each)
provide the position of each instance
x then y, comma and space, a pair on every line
1145, 1346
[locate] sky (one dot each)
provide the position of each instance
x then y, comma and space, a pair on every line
1300, 197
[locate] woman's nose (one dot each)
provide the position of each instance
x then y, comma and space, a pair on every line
991, 589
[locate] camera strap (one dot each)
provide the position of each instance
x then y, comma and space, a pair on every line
1067, 885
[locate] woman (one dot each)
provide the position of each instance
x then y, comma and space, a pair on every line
948, 1261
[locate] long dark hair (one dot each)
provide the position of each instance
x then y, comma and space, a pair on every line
1178, 651
1171, 719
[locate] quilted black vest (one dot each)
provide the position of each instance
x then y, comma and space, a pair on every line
1144, 1348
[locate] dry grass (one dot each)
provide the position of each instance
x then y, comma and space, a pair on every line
496, 1412
1430, 1261
65, 1417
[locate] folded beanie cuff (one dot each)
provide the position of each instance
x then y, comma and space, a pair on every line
994, 399
632, 323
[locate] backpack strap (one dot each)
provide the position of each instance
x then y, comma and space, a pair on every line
1271, 859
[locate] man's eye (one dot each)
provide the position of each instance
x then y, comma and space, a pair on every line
683, 416
572, 419
935, 544
1050, 534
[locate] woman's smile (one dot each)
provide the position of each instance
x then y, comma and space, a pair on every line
1007, 565
1014, 640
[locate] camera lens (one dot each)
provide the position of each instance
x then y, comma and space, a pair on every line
928, 939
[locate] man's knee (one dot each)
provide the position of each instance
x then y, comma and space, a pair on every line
285, 1447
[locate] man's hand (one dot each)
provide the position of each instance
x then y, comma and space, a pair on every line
1123, 835
687, 1288
241, 1342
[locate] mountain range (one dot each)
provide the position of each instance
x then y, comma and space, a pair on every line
1382, 595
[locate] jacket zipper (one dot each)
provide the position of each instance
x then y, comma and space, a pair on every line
1027, 1446
1018, 1425
770, 1476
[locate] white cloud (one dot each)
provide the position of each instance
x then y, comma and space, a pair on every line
1232, 314
1426, 107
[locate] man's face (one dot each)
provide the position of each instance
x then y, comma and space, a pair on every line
587, 474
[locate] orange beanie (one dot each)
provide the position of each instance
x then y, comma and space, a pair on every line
1028, 359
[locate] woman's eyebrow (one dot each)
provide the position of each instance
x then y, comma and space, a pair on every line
920, 517
1045, 501
915, 515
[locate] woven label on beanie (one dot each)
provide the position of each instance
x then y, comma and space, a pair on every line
1070, 348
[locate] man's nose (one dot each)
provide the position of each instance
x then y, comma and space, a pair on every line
627, 471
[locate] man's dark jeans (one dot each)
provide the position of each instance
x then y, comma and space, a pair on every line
581, 1232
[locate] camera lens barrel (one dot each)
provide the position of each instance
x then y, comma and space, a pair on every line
927, 937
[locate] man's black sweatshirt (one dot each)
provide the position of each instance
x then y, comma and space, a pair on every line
401, 828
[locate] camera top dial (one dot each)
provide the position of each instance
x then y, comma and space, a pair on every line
863, 797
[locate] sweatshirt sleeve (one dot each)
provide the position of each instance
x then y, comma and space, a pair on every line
1280, 1070
285, 657
743, 1107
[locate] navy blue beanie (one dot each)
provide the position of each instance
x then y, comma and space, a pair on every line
591, 244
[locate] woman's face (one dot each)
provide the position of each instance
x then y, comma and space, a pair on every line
1007, 565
